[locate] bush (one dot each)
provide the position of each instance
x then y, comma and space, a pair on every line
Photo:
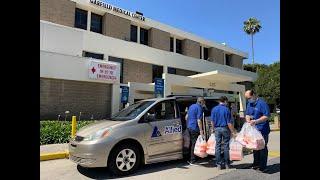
54, 132
271, 119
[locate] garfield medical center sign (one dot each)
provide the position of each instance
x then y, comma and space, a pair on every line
105, 71
117, 10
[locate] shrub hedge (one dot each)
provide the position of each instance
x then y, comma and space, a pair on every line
54, 132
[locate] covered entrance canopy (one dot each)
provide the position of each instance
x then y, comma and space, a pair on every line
193, 85
221, 76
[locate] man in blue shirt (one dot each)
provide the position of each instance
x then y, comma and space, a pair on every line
194, 125
222, 123
257, 114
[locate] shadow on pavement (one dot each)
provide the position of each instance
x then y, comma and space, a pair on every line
271, 169
104, 173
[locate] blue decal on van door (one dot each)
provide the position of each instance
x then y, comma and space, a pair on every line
156, 132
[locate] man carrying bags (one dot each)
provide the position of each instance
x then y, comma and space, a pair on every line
257, 114
221, 119
194, 125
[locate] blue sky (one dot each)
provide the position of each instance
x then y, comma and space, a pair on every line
218, 20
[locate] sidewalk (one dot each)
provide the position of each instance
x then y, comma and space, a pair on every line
53, 148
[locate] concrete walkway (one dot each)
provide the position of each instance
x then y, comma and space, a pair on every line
53, 148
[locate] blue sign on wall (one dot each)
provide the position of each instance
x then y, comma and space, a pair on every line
124, 94
158, 87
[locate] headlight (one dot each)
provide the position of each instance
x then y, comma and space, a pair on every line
97, 135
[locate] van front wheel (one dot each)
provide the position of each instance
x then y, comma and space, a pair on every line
124, 159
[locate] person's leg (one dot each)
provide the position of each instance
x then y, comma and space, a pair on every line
218, 136
193, 138
256, 159
264, 154
226, 139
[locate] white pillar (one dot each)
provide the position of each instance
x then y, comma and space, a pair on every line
115, 99
138, 36
131, 93
242, 102
89, 20
167, 85
174, 44
165, 69
202, 52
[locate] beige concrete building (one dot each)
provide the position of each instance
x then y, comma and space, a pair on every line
79, 37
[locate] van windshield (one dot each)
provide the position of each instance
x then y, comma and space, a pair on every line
132, 111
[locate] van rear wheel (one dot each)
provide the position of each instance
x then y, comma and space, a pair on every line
124, 159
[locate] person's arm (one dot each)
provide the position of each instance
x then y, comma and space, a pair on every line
266, 114
199, 120
229, 121
212, 121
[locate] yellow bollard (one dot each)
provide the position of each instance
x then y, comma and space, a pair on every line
73, 126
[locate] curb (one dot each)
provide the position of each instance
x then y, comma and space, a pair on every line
56, 155
274, 154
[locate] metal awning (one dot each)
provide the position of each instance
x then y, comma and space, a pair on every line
221, 76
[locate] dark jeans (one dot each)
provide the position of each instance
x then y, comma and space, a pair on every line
193, 138
222, 134
260, 157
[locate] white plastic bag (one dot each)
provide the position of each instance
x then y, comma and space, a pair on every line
235, 150
250, 137
211, 145
200, 147
186, 139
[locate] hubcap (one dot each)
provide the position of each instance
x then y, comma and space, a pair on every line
126, 159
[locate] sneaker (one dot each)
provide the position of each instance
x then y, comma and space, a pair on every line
228, 166
261, 170
192, 162
254, 167
219, 167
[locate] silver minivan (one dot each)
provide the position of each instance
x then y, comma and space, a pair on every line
148, 131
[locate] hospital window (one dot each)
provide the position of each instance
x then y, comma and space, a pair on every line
143, 36
133, 33
171, 44
172, 70
178, 46
92, 55
228, 60
96, 23
156, 72
205, 53
80, 19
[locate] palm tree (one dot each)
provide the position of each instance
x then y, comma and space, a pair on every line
252, 26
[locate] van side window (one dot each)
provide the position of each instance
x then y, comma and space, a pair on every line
163, 110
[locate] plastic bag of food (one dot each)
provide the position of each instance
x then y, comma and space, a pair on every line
250, 137
200, 147
235, 151
211, 145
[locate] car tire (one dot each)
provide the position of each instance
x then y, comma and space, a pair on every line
120, 161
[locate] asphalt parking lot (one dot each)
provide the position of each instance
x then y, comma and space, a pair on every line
65, 169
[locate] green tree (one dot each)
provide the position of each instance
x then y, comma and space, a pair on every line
252, 26
267, 84
254, 67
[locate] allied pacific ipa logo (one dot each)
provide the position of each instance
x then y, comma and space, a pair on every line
155, 132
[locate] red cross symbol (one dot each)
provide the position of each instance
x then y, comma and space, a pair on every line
93, 70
